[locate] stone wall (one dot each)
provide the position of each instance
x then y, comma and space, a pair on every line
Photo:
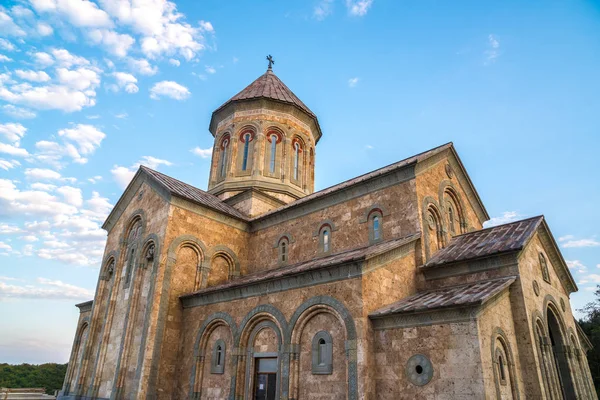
454, 352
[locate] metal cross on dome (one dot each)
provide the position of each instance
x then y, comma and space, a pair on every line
271, 61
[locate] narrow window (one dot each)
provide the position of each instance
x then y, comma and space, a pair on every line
296, 159
325, 240
451, 218
283, 251
376, 228
501, 368
223, 166
322, 353
273, 153
246, 145
217, 365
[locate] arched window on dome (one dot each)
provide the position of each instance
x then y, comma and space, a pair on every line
296, 160
224, 156
246, 147
274, 139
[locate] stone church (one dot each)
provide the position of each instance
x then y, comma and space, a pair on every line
385, 286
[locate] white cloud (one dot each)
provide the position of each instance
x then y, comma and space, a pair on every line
352, 82
30, 202
95, 179
65, 59
78, 79
98, 207
125, 81
51, 97
49, 290
570, 242
42, 174
5, 247
169, 89
18, 112
71, 195
115, 43
174, 62
163, 29
81, 13
4, 58
594, 278
8, 26
9, 229
358, 8
44, 187
505, 218
493, 50
122, 115
142, 66
323, 9
43, 59
86, 138
6, 45
8, 164
123, 175
576, 265
13, 132
210, 70
203, 153
44, 29
13, 150
33, 76
29, 238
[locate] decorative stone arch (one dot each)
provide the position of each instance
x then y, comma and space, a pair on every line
431, 207
325, 243
498, 335
560, 347
282, 244
549, 377
376, 210
131, 246
303, 314
264, 316
253, 129
302, 151
448, 188
220, 164
230, 256
195, 244
211, 323
74, 363
150, 251
274, 160
111, 258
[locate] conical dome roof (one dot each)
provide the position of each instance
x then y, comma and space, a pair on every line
269, 86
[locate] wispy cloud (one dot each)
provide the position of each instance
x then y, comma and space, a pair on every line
569, 241
169, 89
203, 153
352, 82
323, 9
505, 218
358, 8
576, 265
493, 50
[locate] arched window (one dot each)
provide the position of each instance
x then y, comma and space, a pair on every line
247, 138
217, 365
544, 268
224, 151
132, 242
296, 160
501, 369
375, 219
274, 139
322, 353
435, 234
326, 239
283, 250
451, 219
376, 228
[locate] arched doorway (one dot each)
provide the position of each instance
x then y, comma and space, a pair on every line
558, 342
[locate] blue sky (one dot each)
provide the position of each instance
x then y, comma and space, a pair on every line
91, 89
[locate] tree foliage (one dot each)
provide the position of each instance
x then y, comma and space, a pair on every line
48, 376
591, 326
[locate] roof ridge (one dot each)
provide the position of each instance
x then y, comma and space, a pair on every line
498, 226
459, 285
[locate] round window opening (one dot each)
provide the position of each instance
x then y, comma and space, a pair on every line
419, 370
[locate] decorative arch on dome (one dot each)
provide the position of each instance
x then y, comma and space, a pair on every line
274, 151
245, 152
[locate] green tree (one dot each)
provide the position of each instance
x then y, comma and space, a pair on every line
48, 376
591, 326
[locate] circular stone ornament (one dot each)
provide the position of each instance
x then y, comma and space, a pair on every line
419, 370
562, 305
449, 171
536, 288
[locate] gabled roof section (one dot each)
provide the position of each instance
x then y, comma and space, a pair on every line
486, 242
175, 188
472, 294
360, 254
269, 86
362, 178
193, 194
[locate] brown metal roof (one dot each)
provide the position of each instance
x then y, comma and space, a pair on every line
193, 194
486, 242
359, 254
269, 86
471, 294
